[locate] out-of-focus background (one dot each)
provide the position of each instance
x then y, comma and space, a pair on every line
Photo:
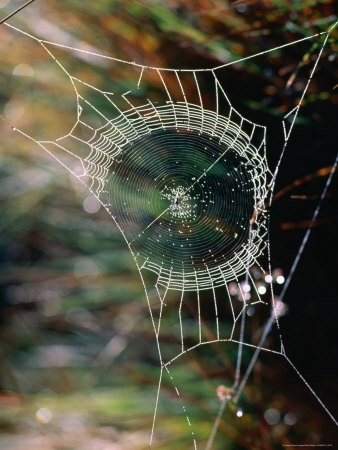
78, 370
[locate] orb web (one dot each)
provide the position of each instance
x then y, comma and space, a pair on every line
188, 186
186, 198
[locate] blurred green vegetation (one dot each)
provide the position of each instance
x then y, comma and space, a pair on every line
76, 337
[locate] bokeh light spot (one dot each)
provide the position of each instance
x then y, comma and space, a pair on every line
91, 204
43, 415
239, 412
272, 416
24, 70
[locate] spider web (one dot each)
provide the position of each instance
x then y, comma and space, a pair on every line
189, 187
